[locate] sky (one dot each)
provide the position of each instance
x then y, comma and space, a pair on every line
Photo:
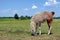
28, 7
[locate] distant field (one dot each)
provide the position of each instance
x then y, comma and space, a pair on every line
11, 29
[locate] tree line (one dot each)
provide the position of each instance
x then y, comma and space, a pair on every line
21, 17
28, 17
16, 16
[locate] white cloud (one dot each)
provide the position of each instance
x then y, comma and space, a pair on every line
51, 2
26, 9
34, 7
47, 4
55, 2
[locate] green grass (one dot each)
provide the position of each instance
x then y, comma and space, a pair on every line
11, 29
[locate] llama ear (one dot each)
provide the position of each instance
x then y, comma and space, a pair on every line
53, 13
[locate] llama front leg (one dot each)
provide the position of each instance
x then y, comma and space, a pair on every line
39, 29
32, 25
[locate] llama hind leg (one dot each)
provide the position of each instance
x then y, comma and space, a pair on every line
49, 31
49, 27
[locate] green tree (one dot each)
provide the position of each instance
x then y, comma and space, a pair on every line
16, 16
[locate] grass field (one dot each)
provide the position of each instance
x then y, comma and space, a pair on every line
11, 29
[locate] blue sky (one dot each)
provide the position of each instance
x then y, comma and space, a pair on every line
28, 7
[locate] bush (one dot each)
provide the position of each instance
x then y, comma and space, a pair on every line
22, 18
25, 17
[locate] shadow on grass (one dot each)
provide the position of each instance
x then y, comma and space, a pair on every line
19, 32
16, 32
47, 33
22, 32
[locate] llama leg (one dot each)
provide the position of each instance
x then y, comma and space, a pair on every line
49, 26
39, 29
32, 25
49, 30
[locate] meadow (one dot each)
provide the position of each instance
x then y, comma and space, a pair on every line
12, 29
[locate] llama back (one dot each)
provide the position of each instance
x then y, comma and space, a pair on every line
40, 17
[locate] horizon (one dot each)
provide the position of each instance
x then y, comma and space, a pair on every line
28, 7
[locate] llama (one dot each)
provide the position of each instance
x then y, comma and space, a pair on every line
39, 18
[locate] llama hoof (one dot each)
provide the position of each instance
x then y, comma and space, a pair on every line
49, 33
37, 33
32, 34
